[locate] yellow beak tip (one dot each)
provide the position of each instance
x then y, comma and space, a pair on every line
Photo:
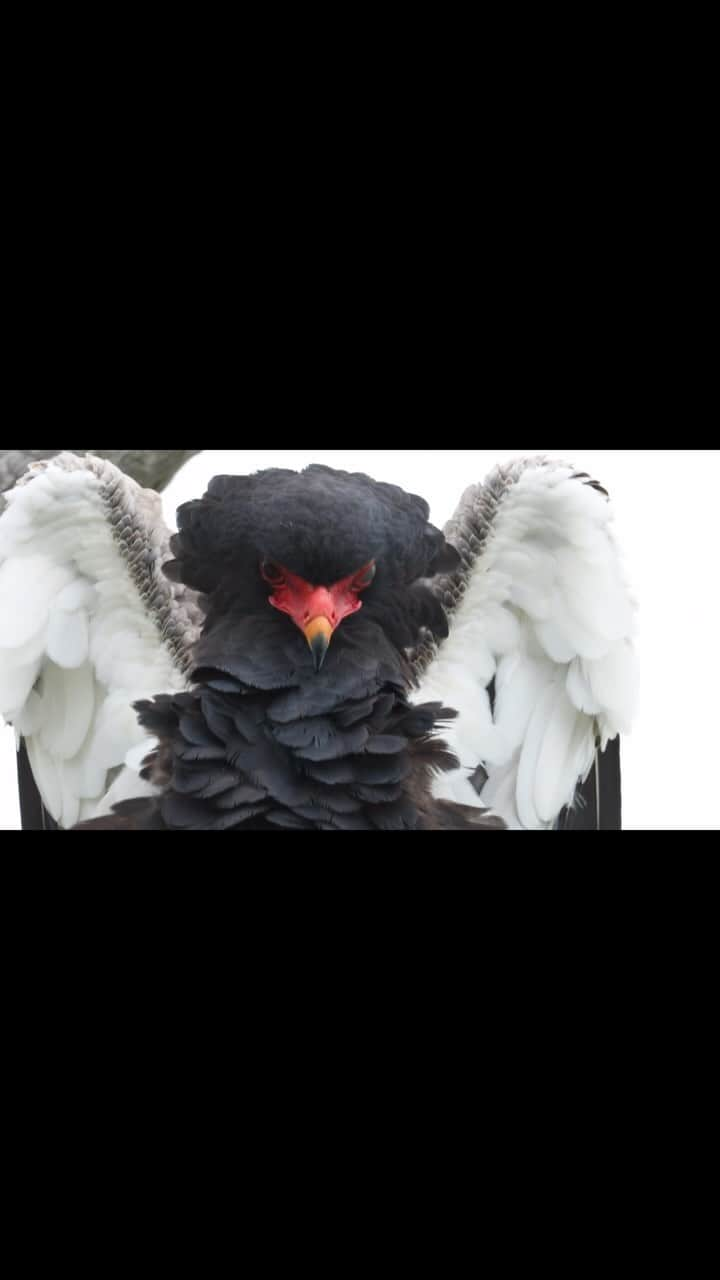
318, 634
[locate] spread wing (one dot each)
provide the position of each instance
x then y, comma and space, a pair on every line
88, 624
539, 661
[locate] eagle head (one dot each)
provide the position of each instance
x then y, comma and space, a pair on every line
313, 548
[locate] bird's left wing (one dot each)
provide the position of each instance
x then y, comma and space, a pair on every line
539, 661
88, 625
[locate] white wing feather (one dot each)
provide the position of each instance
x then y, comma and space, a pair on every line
541, 605
83, 636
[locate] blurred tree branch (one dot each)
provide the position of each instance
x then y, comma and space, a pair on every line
152, 468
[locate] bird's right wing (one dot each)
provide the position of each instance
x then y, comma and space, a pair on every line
88, 624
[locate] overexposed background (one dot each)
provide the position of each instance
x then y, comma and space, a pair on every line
666, 519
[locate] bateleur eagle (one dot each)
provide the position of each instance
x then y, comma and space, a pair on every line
308, 652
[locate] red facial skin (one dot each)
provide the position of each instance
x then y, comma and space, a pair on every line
303, 602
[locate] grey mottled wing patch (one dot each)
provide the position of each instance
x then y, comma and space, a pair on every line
468, 531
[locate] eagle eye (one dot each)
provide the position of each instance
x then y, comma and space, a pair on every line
364, 577
272, 573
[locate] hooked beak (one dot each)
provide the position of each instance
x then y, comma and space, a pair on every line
318, 634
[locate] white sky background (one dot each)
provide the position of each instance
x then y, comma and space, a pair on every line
666, 518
